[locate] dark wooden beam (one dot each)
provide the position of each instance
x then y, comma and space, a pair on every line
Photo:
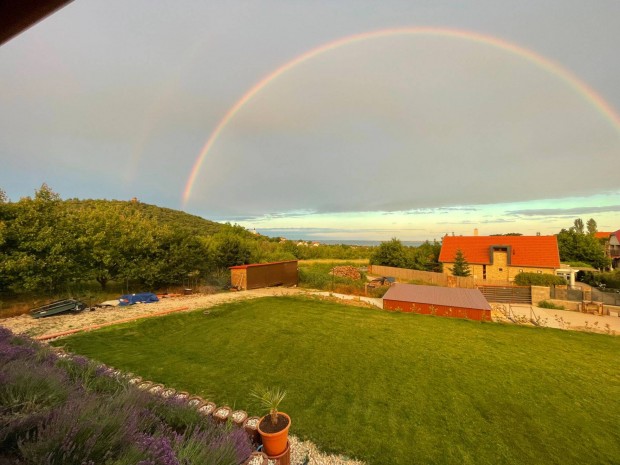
18, 15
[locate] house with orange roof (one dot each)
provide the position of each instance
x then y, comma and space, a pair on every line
611, 243
602, 235
613, 249
501, 258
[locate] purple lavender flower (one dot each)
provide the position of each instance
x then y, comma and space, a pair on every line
81, 362
9, 352
5, 334
159, 448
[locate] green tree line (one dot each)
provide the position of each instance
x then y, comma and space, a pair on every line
579, 244
393, 253
48, 244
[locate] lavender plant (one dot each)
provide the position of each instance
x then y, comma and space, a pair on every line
71, 411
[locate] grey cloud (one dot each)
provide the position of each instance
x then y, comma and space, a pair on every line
474, 222
440, 210
564, 212
347, 132
335, 230
382, 125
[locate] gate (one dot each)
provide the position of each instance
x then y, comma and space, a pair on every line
610, 297
566, 293
507, 294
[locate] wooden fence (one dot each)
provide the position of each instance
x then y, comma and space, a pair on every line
438, 279
405, 274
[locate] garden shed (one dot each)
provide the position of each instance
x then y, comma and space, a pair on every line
258, 275
440, 301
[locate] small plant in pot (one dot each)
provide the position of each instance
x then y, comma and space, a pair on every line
273, 427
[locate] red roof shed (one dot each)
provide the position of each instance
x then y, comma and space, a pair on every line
435, 300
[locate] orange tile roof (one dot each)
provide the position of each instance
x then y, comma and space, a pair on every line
530, 251
602, 235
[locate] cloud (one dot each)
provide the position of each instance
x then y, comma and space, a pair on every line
350, 132
475, 222
315, 231
564, 212
439, 210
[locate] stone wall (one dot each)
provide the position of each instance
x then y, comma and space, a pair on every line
540, 293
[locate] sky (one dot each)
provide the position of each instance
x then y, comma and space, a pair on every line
356, 120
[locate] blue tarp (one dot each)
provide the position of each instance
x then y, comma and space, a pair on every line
144, 297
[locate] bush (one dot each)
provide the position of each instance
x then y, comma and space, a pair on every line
317, 276
610, 279
538, 279
551, 305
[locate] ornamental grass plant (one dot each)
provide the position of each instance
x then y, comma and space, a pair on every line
269, 400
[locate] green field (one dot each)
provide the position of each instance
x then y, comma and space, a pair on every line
390, 388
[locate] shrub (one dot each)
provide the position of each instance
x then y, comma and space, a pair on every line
317, 276
610, 279
551, 305
538, 279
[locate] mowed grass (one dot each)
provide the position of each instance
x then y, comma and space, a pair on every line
390, 388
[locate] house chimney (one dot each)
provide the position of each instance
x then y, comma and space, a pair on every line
475, 231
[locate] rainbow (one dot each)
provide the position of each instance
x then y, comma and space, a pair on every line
581, 87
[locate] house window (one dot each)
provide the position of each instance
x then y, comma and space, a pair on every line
501, 269
484, 272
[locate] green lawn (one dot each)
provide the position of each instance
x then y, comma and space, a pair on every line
389, 387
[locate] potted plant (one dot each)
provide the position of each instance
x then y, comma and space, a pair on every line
273, 427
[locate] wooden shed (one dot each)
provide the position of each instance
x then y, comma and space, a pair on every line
440, 301
258, 275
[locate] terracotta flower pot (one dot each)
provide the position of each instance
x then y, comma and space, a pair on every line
222, 413
250, 425
207, 408
274, 443
196, 402
256, 458
238, 417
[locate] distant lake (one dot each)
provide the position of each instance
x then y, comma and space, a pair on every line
362, 242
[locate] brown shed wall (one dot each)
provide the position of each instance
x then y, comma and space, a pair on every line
439, 310
239, 278
265, 275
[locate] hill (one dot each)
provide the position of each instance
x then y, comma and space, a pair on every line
177, 219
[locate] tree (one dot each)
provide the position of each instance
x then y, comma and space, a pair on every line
40, 243
578, 226
461, 267
591, 226
426, 257
579, 247
391, 253
229, 249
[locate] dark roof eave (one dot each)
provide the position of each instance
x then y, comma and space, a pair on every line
18, 15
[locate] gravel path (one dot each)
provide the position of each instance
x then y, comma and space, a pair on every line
25, 324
